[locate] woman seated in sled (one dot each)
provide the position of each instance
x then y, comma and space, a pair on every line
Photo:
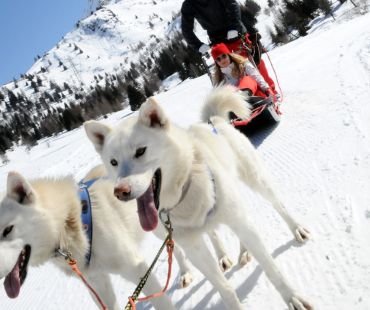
237, 70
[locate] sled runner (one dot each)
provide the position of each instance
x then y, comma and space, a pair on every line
264, 112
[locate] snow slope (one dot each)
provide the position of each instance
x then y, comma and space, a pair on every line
108, 41
319, 156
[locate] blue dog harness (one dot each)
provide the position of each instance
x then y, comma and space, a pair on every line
86, 213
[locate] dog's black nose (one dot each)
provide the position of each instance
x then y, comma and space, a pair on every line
122, 192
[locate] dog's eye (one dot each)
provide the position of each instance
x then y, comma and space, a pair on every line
7, 231
140, 152
113, 162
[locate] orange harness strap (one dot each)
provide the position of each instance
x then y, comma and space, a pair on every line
131, 305
169, 245
74, 267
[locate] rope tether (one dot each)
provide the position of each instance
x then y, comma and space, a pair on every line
169, 243
73, 264
276, 77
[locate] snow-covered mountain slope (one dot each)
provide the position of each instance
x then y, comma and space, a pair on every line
110, 41
319, 157
106, 42
111, 37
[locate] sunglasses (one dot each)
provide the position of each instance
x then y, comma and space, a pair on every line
219, 58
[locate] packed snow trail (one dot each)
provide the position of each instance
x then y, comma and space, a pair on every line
319, 157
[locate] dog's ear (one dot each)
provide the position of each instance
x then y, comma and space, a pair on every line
152, 115
19, 189
97, 133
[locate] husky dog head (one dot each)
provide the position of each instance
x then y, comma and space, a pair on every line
132, 154
23, 234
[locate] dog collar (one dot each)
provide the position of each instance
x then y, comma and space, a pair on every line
86, 213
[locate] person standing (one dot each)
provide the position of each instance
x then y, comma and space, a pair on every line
222, 21
220, 18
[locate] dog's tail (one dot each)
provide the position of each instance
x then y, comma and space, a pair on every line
224, 100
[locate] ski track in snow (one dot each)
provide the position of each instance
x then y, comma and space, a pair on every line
329, 133
318, 156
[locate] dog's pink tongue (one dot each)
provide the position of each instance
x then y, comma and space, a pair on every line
12, 282
148, 214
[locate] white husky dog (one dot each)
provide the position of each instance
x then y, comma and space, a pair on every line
37, 217
193, 175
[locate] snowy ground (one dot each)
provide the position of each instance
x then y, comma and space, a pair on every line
319, 156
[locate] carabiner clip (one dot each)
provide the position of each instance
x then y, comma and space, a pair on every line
165, 221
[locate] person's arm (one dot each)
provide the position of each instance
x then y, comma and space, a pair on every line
232, 12
187, 27
251, 70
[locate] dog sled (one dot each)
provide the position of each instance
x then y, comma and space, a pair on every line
265, 110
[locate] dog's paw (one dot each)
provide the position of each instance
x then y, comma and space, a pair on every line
301, 234
225, 263
244, 258
185, 280
298, 303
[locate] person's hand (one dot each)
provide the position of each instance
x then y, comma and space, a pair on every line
204, 48
232, 34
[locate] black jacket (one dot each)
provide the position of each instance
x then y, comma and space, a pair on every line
215, 16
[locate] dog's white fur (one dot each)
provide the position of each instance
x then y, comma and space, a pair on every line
46, 214
211, 164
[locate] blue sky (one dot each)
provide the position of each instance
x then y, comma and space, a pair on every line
29, 28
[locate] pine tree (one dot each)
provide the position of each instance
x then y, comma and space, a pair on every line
249, 12
15, 83
6, 139
133, 72
53, 85
56, 97
48, 96
297, 15
135, 97
13, 99
66, 86
325, 6
34, 86
148, 92
3, 156
72, 117
167, 63
279, 36
28, 139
